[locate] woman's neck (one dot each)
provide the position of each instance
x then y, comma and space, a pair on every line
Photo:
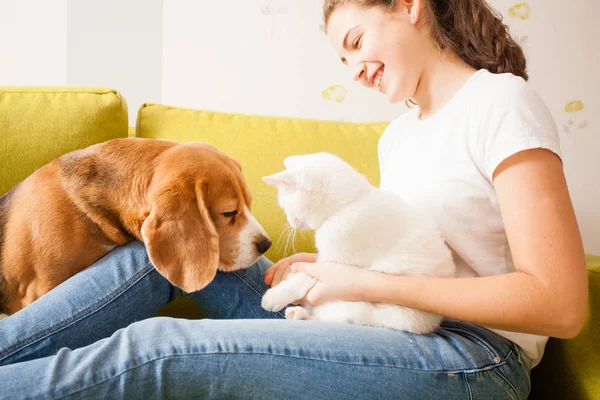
440, 81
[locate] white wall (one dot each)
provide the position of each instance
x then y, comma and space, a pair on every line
254, 57
270, 57
33, 42
563, 50
116, 43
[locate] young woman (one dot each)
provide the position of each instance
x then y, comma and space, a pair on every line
478, 148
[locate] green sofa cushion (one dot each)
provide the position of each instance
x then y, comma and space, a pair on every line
38, 124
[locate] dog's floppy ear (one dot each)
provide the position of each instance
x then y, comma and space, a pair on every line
180, 237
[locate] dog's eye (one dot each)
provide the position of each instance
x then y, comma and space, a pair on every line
230, 214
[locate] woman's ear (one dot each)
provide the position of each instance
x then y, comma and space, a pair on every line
414, 8
281, 179
180, 237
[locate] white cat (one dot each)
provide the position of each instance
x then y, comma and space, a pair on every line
360, 225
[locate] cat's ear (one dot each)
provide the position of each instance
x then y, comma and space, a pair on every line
293, 161
283, 178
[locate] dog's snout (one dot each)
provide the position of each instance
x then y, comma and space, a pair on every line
263, 246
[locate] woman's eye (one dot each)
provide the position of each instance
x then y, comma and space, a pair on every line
356, 42
230, 214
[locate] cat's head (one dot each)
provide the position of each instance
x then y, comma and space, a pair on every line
315, 186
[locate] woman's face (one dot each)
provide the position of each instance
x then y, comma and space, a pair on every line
381, 48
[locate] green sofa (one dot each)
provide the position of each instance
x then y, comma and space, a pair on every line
39, 124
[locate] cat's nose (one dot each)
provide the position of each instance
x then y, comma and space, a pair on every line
263, 246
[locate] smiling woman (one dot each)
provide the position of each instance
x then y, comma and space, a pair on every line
386, 40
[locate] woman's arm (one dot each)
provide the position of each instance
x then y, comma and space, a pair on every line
547, 295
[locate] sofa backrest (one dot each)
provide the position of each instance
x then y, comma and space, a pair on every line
38, 124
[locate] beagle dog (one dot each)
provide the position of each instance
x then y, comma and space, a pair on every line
188, 202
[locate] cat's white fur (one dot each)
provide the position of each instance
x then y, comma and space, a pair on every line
360, 225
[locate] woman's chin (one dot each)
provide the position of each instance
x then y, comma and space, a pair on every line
393, 96
395, 93
397, 97
394, 99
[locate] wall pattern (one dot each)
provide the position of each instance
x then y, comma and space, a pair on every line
270, 57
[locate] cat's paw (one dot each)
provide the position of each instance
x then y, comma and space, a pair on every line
297, 313
273, 301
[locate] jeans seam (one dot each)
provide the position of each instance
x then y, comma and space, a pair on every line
475, 370
512, 387
521, 363
254, 290
527, 373
469, 390
241, 353
89, 310
464, 372
477, 339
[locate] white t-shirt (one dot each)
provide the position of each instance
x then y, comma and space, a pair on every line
445, 163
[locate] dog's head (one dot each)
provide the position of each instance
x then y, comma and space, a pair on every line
200, 219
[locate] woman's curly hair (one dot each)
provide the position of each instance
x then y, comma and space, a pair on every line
470, 28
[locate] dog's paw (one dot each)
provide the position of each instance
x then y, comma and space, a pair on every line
273, 301
297, 313
2, 316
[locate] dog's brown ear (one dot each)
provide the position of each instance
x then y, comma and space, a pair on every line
180, 236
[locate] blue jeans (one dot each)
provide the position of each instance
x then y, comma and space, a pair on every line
92, 337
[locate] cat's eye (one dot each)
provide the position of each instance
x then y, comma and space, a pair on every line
230, 214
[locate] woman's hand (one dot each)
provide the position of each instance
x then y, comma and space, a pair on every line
335, 281
278, 271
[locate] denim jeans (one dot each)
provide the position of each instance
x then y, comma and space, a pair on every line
93, 337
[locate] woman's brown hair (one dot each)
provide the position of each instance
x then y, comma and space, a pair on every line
470, 28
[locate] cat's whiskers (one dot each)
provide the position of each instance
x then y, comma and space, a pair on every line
287, 240
294, 233
291, 240
302, 233
287, 232
280, 232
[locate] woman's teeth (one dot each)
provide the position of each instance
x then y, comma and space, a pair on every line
377, 77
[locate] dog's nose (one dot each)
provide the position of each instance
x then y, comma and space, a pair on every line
263, 246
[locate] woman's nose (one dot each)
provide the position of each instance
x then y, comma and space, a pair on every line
359, 72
